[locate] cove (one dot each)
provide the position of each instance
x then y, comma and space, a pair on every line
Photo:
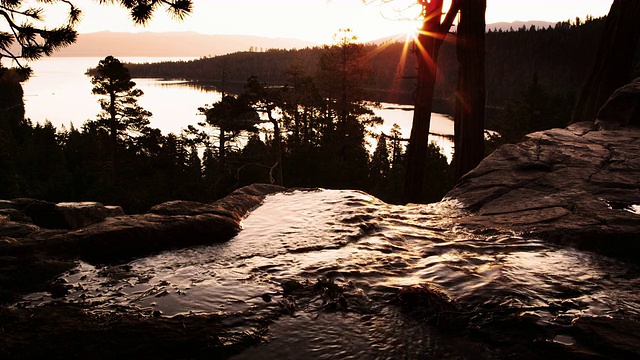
60, 92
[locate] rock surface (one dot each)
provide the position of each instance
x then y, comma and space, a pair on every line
576, 186
31, 255
98, 236
75, 215
623, 107
68, 215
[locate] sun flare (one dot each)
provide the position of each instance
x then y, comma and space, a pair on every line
411, 29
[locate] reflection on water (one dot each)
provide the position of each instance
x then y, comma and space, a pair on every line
60, 92
372, 250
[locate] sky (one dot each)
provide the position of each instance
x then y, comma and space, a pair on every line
318, 20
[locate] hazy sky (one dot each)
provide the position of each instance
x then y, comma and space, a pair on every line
318, 20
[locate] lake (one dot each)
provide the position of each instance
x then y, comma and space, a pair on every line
60, 92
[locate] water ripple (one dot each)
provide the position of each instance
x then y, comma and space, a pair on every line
373, 249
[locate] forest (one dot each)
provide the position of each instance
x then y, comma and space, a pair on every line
562, 57
119, 159
319, 102
540, 68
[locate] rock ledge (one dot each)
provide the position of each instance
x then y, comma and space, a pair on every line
576, 186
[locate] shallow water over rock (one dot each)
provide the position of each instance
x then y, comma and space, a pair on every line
324, 269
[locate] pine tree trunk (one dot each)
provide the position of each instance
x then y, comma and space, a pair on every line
221, 153
427, 53
470, 99
113, 129
277, 148
614, 61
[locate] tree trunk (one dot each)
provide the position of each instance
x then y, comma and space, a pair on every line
427, 53
430, 38
614, 61
277, 148
221, 152
470, 99
113, 129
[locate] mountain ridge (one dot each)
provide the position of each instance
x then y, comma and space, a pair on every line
167, 44
194, 44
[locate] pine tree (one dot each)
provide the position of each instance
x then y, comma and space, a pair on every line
22, 27
343, 71
121, 115
379, 166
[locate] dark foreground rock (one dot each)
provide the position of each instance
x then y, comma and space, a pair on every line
70, 332
576, 186
31, 254
69, 215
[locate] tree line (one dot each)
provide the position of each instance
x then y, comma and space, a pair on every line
306, 124
310, 132
560, 56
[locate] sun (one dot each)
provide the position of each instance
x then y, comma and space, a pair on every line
410, 29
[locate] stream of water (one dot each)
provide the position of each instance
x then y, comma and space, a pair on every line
370, 250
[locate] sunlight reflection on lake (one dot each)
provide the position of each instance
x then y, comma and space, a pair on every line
59, 91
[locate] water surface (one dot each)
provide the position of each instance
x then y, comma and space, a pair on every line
368, 250
60, 92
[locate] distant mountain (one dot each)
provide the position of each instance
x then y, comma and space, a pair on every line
154, 44
504, 26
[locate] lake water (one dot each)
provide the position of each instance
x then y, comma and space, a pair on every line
60, 92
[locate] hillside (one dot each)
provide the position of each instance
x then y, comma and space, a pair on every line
184, 44
560, 57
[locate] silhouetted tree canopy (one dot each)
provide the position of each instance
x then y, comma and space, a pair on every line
28, 37
532, 78
562, 56
121, 115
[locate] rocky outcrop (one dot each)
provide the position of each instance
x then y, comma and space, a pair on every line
68, 215
235, 205
98, 236
622, 108
575, 186
170, 225
126, 237
75, 215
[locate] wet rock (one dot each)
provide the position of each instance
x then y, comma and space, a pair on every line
615, 337
21, 203
14, 229
113, 211
180, 207
75, 215
71, 332
43, 214
15, 215
623, 107
558, 184
103, 234
129, 236
7, 204
427, 299
66, 215
235, 205
289, 286
59, 289
30, 256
